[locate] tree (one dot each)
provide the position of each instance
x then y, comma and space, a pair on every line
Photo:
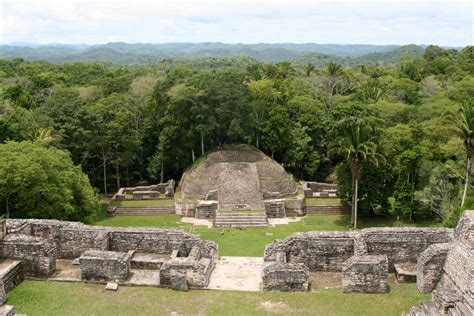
308, 69
356, 145
466, 131
42, 182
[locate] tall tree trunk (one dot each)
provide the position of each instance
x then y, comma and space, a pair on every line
257, 141
355, 201
104, 170
128, 177
192, 154
162, 171
7, 205
202, 144
117, 175
466, 183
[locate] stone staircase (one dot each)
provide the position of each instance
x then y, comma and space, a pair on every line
327, 210
241, 219
143, 210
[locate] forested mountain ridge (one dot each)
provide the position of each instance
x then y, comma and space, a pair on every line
123, 53
131, 124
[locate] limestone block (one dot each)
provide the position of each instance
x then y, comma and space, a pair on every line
105, 265
285, 277
179, 282
365, 274
111, 286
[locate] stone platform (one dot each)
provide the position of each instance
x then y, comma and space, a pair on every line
237, 274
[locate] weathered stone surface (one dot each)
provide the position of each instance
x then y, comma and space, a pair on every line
197, 266
326, 251
243, 176
429, 266
319, 251
285, 277
275, 208
11, 274
179, 282
105, 265
365, 274
212, 195
38, 255
450, 268
206, 209
403, 244
111, 286
7, 310
405, 272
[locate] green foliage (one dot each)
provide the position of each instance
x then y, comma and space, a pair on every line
37, 181
141, 123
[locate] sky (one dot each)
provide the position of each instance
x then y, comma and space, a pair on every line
440, 22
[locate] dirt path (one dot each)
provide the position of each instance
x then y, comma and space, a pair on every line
237, 274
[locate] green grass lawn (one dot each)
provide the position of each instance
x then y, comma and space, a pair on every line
138, 203
322, 201
251, 241
56, 298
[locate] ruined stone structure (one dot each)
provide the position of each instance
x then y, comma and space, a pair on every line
365, 273
238, 185
365, 257
447, 271
285, 277
30, 248
444, 259
151, 192
322, 191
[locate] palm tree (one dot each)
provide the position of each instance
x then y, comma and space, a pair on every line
356, 146
466, 130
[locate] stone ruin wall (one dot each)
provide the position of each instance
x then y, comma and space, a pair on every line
327, 250
447, 270
38, 243
356, 254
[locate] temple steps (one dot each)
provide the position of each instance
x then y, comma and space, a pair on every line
241, 219
145, 210
327, 210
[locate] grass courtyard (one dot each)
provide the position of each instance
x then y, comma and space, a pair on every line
56, 298
252, 241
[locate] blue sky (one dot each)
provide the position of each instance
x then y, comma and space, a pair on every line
444, 22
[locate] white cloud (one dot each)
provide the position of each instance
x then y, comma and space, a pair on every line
249, 21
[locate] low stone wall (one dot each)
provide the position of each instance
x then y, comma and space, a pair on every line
429, 266
327, 251
319, 251
285, 277
105, 265
38, 255
403, 244
11, 275
143, 192
193, 271
311, 188
365, 274
73, 238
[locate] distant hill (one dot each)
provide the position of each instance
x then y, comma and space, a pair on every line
391, 56
142, 53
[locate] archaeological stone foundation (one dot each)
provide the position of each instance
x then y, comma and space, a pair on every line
440, 259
